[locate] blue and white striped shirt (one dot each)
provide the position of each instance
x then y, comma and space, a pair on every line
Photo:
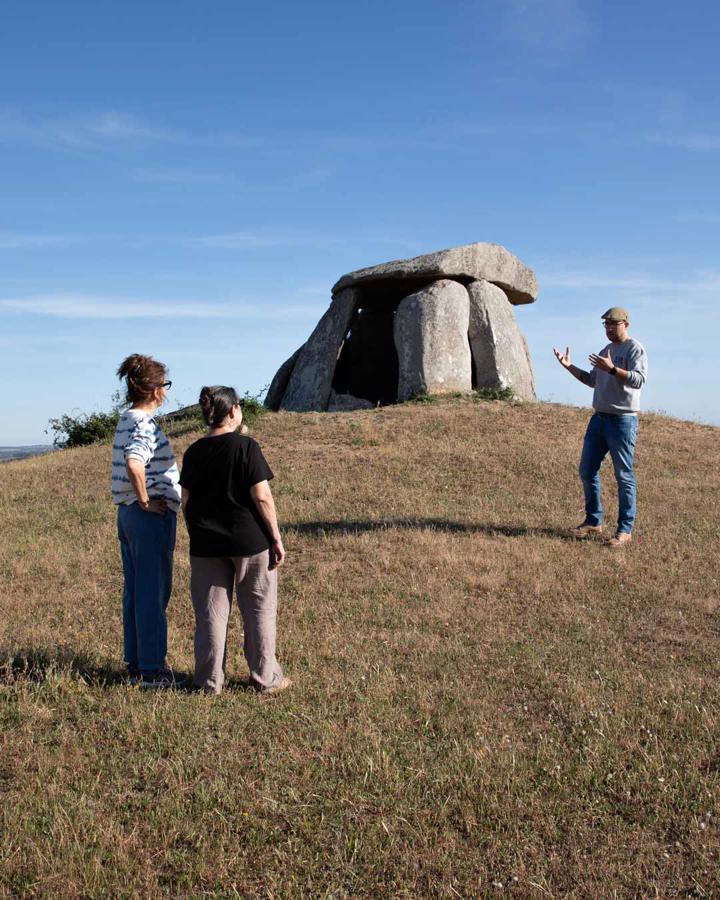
138, 436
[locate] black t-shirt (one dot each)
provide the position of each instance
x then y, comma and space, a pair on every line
222, 518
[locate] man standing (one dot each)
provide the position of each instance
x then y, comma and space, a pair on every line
617, 375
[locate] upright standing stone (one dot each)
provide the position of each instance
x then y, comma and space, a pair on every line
311, 380
279, 384
431, 338
499, 349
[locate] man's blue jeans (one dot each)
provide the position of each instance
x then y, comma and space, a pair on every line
147, 542
617, 434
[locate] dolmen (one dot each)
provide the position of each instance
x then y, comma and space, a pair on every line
435, 324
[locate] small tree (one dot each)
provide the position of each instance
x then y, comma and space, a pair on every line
76, 431
86, 428
253, 407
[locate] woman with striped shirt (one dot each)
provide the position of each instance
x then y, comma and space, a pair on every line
146, 490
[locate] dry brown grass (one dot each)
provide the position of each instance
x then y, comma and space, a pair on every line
482, 705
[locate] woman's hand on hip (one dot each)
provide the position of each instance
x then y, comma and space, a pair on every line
158, 507
277, 554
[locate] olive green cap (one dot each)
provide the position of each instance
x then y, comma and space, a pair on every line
616, 314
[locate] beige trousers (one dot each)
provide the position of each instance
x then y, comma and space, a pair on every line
212, 581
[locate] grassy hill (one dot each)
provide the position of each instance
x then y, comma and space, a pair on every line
482, 706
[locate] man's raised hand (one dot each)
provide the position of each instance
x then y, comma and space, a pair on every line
604, 363
563, 358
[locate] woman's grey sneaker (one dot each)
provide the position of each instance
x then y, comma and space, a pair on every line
161, 679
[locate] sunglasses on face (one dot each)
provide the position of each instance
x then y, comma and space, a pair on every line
167, 385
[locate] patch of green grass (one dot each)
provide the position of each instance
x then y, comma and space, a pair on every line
424, 399
506, 394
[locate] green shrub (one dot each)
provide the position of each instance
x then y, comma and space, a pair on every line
506, 393
93, 428
253, 408
77, 431
87, 428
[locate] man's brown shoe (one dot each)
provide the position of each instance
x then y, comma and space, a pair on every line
619, 539
283, 686
585, 530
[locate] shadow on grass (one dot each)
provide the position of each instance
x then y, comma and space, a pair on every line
41, 665
323, 529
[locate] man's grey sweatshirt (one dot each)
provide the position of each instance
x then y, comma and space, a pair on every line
612, 395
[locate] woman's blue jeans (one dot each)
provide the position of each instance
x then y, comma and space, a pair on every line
147, 543
616, 434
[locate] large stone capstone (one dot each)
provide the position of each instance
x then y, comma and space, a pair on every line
471, 262
437, 323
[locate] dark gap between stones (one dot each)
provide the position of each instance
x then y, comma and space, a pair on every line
367, 365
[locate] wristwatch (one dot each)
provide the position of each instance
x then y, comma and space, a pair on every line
613, 371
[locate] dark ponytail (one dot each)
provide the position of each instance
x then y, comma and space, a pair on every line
216, 404
144, 375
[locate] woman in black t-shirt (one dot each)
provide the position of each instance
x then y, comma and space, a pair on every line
235, 544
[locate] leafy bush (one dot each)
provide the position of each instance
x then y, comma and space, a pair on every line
87, 428
506, 393
253, 408
77, 431
92, 428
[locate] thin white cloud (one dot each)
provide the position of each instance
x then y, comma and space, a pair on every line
673, 108
687, 140
46, 134
233, 240
548, 28
78, 133
20, 342
699, 218
103, 129
578, 280
177, 176
10, 240
84, 306
240, 240
247, 240
119, 126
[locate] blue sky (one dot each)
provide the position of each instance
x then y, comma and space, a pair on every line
189, 179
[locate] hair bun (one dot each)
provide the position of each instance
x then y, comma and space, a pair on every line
206, 404
132, 366
144, 375
216, 403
